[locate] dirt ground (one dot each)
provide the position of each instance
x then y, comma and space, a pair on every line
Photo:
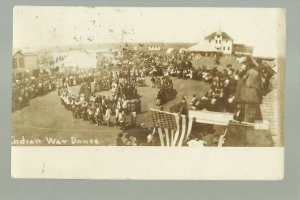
46, 122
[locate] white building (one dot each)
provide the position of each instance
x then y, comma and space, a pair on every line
24, 62
220, 41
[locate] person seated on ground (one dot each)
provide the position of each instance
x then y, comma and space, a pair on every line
197, 105
129, 141
195, 141
193, 101
119, 140
208, 138
213, 103
149, 140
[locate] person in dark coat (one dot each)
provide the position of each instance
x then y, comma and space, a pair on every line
184, 107
248, 94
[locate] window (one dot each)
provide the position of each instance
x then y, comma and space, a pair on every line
21, 62
228, 48
224, 48
15, 63
219, 41
216, 41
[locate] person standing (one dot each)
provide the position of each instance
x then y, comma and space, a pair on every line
248, 93
108, 116
184, 107
122, 119
153, 81
133, 113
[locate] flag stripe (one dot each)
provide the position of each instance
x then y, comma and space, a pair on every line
177, 130
167, 137
189, 128
172, 137
183, 131
161, 137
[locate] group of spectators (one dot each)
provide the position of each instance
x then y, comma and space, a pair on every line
23, 90
220, 97
224, 84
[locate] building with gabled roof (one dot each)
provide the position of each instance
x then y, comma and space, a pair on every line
220, 41
223, 35
25, 62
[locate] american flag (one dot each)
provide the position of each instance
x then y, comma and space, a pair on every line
173, 129
72, 92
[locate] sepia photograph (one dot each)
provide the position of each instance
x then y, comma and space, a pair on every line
167, 77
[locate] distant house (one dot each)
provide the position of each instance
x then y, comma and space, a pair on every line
25, 62
220, 41
242, 50
155, 46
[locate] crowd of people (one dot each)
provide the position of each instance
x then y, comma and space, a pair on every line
225, 84
124, 102
166, 91
24, 90
99, 109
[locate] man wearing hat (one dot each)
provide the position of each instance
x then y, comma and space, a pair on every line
248, 93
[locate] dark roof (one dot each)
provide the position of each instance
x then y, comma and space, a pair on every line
241, 48
25, 53
224, 36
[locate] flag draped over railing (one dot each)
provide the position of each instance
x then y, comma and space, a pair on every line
173, 129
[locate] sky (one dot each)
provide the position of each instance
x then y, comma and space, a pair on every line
35, 27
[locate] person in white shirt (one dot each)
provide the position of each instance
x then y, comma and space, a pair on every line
108, 116
122, 119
